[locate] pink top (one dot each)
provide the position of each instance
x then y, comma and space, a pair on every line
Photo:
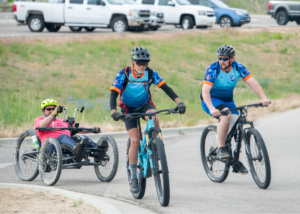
43, 135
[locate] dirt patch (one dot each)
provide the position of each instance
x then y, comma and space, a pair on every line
17, 200
50, 40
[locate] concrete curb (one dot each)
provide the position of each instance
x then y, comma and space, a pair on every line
119, 136
105, 205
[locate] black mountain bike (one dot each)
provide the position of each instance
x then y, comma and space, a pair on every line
217, 169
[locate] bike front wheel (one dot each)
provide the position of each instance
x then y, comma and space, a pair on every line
161, 178
259, 163
217, 171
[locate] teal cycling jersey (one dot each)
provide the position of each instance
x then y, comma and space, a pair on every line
224, 83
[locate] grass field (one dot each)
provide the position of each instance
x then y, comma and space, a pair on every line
81, 73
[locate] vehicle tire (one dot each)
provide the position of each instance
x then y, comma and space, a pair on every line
282, 18
89, 29
108, 169
142, 186
52, 28
50, 162
119, 25
154, 28
26, 169
260, 167
187, 22
161, 179
297, 21
226, 21
75, 28
217, 171
36, 23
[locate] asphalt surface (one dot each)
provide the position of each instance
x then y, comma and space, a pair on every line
191, 189
9, 28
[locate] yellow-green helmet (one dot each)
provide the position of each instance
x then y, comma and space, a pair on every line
48, 102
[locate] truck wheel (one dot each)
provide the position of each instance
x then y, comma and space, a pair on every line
187, 23
119, 25
89, 29
298, 21
282, 18
75, 29
52, 28
225, 21
154, 28
36, 23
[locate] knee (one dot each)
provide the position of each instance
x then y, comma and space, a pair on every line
135, 141
226, 119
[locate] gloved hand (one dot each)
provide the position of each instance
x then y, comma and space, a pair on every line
181, 107
96, 130
116, 116
57, 110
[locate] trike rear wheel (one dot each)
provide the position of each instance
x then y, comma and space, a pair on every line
26, 157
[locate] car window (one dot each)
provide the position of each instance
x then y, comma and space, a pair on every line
206, 3
151, 2
93, 2
76, 1
163, 2
220, 4
183, 2
118, 2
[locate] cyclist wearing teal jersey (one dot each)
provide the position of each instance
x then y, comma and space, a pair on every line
133, 84
219, 82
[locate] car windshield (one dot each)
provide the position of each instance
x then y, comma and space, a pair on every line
183, 2
220, 4
116, 1
129, 2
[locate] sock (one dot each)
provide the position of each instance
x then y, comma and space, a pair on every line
133, 170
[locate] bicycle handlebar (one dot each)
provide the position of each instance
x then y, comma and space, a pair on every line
138, 115
226, 112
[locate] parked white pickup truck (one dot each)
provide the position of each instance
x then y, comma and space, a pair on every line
78, 14
182, 13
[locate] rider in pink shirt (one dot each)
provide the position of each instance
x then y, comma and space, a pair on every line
51, 109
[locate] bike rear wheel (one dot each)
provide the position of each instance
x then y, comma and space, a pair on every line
142, 185
259, 164
109, 164
26, 166
217, 171
50, 161
161, 179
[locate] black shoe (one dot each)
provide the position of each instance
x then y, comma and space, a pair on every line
78, 149
134, 186
239, 167
222, 153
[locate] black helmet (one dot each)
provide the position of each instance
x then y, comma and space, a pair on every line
140, 54
226, 50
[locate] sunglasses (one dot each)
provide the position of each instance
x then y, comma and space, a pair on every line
141, 63
49, 109
223, 59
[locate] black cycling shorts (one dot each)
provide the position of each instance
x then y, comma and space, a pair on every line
130, 124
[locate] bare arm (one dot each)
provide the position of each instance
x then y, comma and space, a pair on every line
255, 86
47, 121
207, 99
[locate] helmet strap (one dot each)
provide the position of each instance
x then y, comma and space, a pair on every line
229, 64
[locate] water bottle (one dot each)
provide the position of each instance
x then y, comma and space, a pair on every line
35, 142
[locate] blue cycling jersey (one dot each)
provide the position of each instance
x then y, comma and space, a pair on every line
224, 83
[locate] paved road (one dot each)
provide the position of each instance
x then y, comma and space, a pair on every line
191, 190
9, 28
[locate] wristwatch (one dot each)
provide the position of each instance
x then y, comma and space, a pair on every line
212, 108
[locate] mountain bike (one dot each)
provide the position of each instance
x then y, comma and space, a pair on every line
51, 157
152, 158
217, 169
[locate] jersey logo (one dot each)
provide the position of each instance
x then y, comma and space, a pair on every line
208, 77
115, 82
232, 78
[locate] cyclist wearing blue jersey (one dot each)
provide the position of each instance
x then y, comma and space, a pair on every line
133, 84
219, 82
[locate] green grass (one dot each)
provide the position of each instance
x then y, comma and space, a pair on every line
78, 203
77, 74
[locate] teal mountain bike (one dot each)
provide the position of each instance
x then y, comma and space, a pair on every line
152, 158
